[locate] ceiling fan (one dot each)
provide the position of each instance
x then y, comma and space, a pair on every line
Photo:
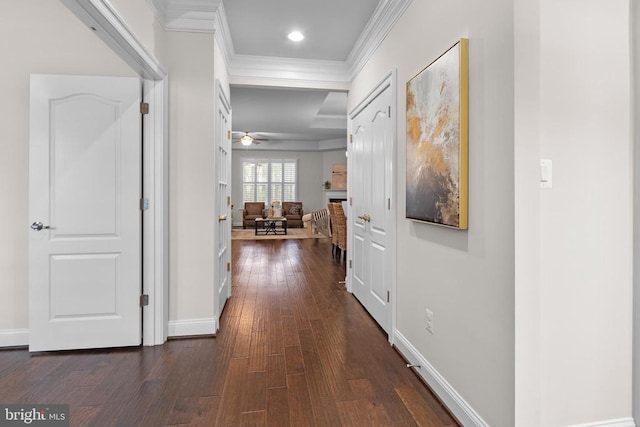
248, 138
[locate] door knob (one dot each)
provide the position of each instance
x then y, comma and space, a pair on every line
365, 217
222, 218
37, 226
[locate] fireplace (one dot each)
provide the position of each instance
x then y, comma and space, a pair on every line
334, 196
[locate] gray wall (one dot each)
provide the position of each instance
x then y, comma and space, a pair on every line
310, 177
464, 277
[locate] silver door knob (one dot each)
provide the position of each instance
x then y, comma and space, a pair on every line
37, 226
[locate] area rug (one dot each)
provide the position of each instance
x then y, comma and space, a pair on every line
292, 233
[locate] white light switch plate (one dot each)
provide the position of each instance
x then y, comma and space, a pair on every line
546, 173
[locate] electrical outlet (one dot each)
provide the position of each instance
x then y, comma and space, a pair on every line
429, 320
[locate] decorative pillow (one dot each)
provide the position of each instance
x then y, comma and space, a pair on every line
295, 210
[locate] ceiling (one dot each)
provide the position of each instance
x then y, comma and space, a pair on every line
292, 93
331, 27
287, 116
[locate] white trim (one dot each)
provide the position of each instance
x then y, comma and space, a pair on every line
463, 412
382, 21
635, 108
283, 70
185, 328
155, 255
209, 16
197, 16
223, 34
222, 107
620, 422
14, 337
113, 30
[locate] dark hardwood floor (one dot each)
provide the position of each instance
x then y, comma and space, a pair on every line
294, 349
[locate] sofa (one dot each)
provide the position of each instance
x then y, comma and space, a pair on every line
293, 212
251, 211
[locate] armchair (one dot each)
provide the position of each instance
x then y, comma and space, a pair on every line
251, 211
293, 212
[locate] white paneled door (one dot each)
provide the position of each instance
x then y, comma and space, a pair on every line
223, 201
84, 212
371, 193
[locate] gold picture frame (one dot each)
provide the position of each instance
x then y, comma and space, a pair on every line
437, 109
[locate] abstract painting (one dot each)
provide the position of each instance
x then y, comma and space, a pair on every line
437, 140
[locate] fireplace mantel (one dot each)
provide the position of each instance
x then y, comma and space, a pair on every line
334, 194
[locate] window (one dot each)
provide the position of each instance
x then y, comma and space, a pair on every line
269, 180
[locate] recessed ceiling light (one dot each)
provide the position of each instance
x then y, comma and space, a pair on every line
295, 36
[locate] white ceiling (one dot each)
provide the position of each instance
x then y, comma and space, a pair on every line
340, 35
331, 27
287, 116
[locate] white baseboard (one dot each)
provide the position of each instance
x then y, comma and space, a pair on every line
621, 422
465, 414
185, 328
14, 337
177, 328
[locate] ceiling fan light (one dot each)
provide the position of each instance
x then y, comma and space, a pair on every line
246, 140
296, 36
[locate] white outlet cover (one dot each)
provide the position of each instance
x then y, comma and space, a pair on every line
429, 320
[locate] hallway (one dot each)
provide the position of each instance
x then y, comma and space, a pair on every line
294, 349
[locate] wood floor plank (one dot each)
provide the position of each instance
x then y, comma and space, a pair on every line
276, 371
363, 413
300, 409
323, 400
294, 349
293, 360
234, 394
278, 407
419, 409
275, 337
256, 395
254, 419
258, 351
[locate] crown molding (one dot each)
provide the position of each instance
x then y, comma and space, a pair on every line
382, 21
224, 34
209, 16
270, 68
198, 16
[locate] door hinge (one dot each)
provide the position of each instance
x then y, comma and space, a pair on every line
144, 204
228, 134
228, 266
144, 300
144, 108
228, 200
350, 201
351, 138
387, 296
389, 111
389, 203
350, 263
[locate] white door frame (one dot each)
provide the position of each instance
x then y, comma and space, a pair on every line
107, 24
390, 80
635, 78
221, 102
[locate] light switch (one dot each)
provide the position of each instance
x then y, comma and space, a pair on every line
546, 173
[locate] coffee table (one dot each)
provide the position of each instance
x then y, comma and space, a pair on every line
271, 226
